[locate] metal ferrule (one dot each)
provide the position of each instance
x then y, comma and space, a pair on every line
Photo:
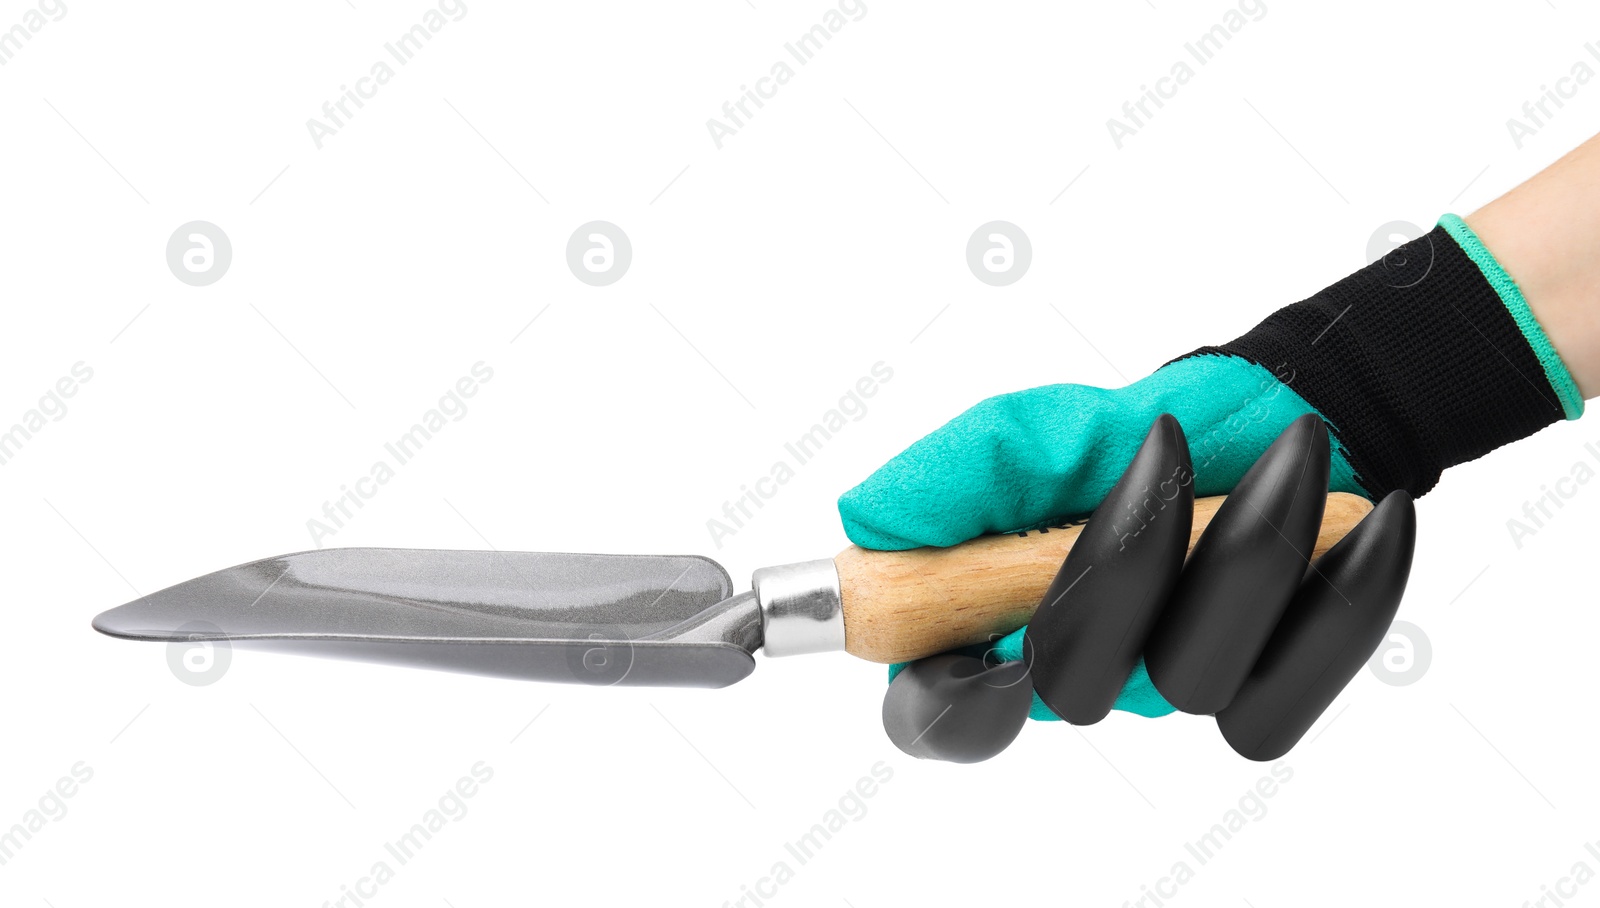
801, 609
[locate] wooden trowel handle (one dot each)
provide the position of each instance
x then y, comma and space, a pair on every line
900, 606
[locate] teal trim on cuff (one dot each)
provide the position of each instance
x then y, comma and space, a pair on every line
1555, 371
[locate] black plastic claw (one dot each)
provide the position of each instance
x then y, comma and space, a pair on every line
1337, 619
1088, 632
1242, 573
956, 708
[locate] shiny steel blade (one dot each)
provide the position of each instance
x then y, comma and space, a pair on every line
647, 620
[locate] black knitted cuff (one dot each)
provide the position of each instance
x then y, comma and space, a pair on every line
1414, 361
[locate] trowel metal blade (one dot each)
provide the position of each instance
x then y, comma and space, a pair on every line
637, 620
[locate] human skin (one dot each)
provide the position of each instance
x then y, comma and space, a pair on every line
1546, 234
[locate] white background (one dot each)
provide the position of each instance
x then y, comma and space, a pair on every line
825, 236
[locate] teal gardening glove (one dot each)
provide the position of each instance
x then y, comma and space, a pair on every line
1423, 360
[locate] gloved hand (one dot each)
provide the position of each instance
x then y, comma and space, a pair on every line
1238, 628
1425, 359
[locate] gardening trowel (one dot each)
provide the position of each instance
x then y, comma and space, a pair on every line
663, 620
